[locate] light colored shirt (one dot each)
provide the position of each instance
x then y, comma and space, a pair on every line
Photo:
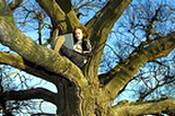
82, 46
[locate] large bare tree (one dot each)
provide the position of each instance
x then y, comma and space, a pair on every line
81, 91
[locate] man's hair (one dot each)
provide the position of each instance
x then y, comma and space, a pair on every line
84, 31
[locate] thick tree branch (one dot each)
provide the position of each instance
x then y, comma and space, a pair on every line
61, 84
49, 60
143, 108
108, 15
125, 70
55, 13
18, 62
34, 93
65, 5
64, 17
72, 19
100, 26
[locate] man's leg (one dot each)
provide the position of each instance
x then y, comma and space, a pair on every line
75, 57
59, 43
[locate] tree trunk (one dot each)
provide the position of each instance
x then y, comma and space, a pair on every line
91, 103
69, 105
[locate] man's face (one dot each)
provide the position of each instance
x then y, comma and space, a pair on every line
78, 34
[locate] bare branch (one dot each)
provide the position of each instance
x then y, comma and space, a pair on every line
15, 4
126, 69
35, 93
17, 61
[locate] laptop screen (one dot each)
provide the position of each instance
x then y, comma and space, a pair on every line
68, 40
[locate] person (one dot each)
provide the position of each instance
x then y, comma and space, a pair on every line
81, 47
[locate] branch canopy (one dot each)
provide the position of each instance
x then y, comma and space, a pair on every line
123, 72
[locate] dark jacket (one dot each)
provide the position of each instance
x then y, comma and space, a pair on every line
87, 48
83, 47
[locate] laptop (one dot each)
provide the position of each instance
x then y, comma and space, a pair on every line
68, 40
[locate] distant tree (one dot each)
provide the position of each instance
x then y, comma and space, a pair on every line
8, 84
144, 34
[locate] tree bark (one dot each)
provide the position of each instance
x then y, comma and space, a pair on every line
65, 17
144, 108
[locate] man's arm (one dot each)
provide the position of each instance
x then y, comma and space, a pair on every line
87, 48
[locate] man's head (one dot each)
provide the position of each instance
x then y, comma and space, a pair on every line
80, 33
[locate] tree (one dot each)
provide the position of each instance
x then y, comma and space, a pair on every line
83, 91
